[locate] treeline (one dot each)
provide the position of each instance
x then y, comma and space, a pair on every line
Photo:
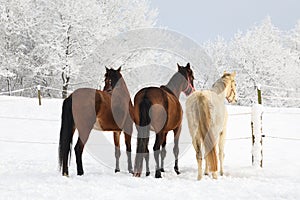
263, 56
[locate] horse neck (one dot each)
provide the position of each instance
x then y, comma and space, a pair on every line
120, 96
220, 87
122, 89
176, 84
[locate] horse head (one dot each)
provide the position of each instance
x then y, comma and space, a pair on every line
111, 79
188, 74
230, 83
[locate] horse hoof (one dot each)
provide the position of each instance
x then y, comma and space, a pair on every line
117, 170
206, 174
199, 177
158, 174
80, 172
215, 175
147, 173
177, 170
137, 174
130, 171
65, 174
162, 170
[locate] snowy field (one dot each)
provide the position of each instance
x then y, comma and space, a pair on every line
29, 166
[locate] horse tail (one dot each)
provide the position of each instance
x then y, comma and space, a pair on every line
144, 112
205, 128
66, 132
212, 159
144, 125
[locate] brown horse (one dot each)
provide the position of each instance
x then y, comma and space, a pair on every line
159, 109
86, 109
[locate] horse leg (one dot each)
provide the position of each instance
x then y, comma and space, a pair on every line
156, 150
163, 152
206, 171
83, 132
222, 144
197, 147
78, 152
128, 151
117, 150
221, 150
177, 132
141, 152
147, 162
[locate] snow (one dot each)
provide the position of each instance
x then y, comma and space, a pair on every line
29, 166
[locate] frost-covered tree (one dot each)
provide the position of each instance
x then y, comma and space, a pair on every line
262, 55
218, 51
261, 58
292, 42
293, 39
57, 39
16, 45
118, 17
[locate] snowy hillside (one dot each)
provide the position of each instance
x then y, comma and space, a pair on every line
29, 167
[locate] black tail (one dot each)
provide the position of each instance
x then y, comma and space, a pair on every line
144, 126
143, 136
66, 133
144, 112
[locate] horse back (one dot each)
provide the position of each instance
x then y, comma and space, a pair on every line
112, 113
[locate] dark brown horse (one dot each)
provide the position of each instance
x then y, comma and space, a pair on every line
159, 109
86, 109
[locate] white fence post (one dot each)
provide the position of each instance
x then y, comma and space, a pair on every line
256, 126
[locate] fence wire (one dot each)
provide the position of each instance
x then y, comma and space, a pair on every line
56, 120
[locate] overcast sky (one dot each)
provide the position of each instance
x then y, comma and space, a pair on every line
202, 20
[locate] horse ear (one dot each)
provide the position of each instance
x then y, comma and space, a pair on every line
178, 66
188, 66
224, 72
233, 74
106, 69
119, 69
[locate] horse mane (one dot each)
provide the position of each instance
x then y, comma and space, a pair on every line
174, 79
220, 85
118, 84
173, 84
123, 85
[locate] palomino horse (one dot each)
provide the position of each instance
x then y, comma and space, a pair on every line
86, 109
159, 109
207, 118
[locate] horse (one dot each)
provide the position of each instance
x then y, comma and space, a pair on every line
207, 118
158, 109
86, 109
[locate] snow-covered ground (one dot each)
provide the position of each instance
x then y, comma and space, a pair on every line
29, 169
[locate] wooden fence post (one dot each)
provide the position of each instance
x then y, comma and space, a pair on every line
39, 94
256, 127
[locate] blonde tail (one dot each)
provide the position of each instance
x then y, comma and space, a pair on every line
206, 133
212, 160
